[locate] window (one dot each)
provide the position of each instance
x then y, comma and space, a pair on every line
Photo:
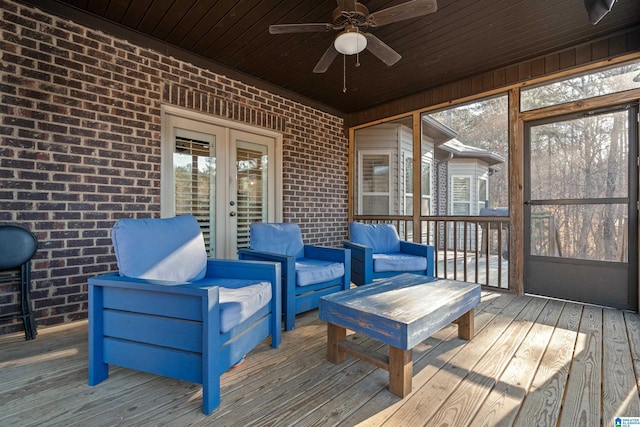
375, 183
408, 186
460, 195
482, 193
426, 187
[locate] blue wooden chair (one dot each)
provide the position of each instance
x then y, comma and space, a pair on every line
308, 272
171, 311
377, 252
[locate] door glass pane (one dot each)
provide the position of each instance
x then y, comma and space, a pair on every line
580, 231
580, 158
194, 169
252, 163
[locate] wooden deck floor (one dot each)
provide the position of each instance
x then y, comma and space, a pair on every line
533, 362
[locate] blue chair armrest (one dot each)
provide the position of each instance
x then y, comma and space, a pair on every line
416, 248
419, 249
288, 262
114, 280
361, 262
235, 269
287, 269
326, 253
357, 250
251, 254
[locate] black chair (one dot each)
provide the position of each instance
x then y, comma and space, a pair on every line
17, 246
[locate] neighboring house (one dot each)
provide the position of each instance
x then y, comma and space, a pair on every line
468, 171
384, 170
455, 175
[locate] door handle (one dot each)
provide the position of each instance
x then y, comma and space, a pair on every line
232, 214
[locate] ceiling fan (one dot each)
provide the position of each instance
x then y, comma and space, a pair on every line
352, 17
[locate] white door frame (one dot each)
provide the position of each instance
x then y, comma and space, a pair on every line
230, 128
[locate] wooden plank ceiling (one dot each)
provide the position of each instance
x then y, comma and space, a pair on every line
461, 39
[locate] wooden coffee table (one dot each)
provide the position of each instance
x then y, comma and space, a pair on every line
401, 311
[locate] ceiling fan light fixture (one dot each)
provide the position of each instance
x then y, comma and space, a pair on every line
350, 42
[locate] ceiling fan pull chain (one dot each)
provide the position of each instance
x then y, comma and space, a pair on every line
344, 73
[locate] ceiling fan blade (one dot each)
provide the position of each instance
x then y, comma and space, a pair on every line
299, 28
347, 5
381, 50
410, 9
326, 60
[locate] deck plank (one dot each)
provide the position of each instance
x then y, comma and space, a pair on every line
503, 403
585, 379
376, 410
315, 387
242, 387
466, 400
59, 405
632, 321
544, 399
520, 369
424, 402
350, 401
619, 389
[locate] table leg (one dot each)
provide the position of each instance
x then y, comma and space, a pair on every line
335, 334
400, 371
466, 328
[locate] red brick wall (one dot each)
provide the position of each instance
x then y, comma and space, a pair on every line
80, 148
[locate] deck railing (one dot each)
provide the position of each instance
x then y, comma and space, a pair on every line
469, 248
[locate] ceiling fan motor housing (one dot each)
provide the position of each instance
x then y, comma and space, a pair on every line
342, 18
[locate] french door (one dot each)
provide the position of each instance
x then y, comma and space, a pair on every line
226, 177
580, 213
